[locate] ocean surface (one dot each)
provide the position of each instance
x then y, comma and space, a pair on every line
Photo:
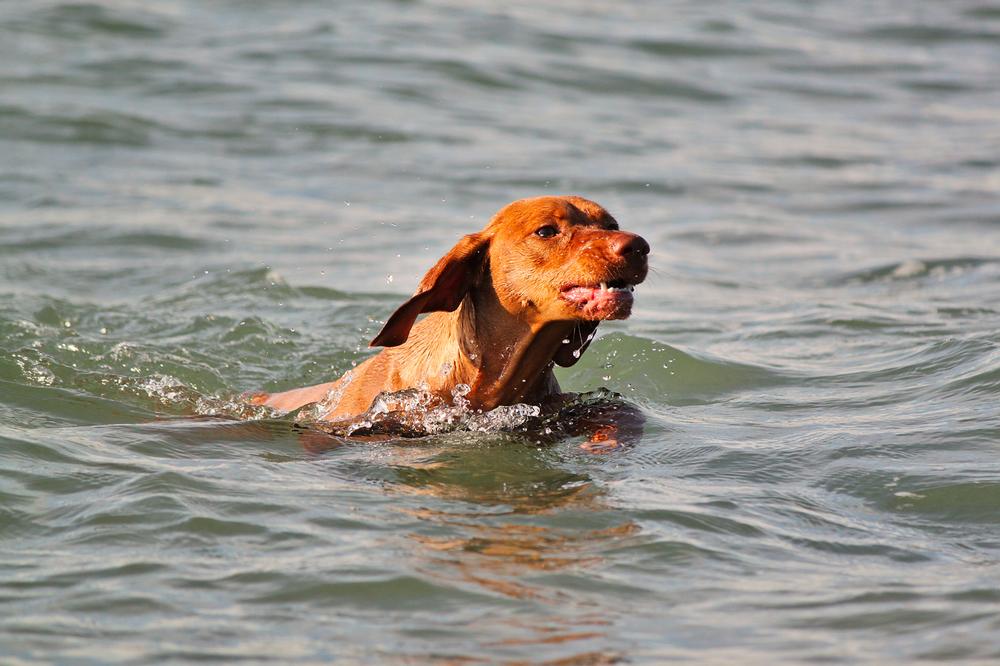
203, 198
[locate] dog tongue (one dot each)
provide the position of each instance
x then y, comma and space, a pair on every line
600, 303
580, 294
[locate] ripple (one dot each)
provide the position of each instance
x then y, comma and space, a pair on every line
76, 19
208, 528
917, 268
928, 34
395, 593
624, 84
703, 521
699, 49
965, 502
122, 605
94, 127
54, 239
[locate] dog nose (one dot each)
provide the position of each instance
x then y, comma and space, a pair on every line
625, 244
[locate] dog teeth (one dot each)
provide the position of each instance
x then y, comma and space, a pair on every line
604, 287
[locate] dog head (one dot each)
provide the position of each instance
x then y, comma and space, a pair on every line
548, 259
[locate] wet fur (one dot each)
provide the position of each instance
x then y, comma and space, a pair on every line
496, 322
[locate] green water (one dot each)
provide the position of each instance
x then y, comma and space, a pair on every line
198, 199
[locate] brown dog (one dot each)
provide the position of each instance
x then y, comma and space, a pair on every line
506, 303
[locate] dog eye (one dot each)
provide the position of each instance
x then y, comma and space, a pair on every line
548, 231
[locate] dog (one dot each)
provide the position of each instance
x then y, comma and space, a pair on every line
504, 304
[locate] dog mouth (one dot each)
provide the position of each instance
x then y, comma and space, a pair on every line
604, 300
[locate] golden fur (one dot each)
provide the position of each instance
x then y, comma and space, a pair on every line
501, 311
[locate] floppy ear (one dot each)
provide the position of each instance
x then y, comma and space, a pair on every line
442, 288
579, 340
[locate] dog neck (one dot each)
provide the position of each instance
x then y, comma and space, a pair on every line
519, 366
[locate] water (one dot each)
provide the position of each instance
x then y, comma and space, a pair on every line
198, 199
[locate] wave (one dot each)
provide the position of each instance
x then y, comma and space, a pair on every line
649, 371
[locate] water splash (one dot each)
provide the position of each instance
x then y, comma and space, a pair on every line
332, 399
417, 412
458, 395
232, 407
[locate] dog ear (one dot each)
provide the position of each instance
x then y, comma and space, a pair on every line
579, 340
442, 288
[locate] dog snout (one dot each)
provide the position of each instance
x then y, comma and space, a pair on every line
629, 246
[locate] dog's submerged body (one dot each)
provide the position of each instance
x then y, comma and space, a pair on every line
505, 304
